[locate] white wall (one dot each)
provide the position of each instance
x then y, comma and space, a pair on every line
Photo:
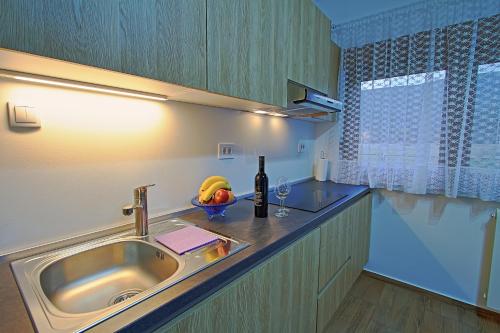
437, 243
341, 11
430, 241
74, 174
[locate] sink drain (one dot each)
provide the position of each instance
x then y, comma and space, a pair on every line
124, 295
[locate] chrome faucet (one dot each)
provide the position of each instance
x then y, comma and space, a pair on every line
140, 207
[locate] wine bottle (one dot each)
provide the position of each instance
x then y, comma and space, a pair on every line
261, 189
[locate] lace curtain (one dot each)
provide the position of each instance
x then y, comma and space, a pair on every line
422, 109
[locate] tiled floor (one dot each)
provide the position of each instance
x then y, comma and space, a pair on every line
374, 305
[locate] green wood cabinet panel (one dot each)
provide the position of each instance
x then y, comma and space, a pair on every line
247, 49
335, 248
345, 242
280, 295
165, 40
333, 79
345, 237
182, 42
21, 25
361, 213
332, 296
321, 70
138, 38
160, 39
78, 31
309, 45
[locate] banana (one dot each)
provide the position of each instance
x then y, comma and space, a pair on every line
209, 181
209, 192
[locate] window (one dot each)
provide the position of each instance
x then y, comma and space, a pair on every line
400, 118
422, 112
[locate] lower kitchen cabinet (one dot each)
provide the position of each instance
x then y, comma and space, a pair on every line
277, 296
335, 246
361, 226
333, 294
297, 290
345, 241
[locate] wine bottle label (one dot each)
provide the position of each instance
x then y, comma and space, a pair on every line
258, 198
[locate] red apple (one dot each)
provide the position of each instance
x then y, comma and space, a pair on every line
221, 196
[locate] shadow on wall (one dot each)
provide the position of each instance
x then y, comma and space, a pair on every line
430, 241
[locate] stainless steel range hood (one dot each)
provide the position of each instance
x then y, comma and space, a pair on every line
309, 104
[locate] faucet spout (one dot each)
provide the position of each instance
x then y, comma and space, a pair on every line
140, 207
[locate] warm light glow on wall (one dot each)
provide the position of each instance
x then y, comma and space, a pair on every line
276, 124
112, 116
80, 112
80, 85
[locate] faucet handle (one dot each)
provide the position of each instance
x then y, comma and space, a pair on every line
144, 187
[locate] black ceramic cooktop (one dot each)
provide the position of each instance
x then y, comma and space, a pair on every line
309, 196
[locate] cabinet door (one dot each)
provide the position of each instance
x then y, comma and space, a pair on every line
335, 248
361, 211
247, 49
333, 294
345, 241
333, 77
164, 40
79, 31
160, 39
278, 296
309, 45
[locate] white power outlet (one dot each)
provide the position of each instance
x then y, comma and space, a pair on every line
301, 147
226, 151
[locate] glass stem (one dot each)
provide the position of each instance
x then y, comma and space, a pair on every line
282, 205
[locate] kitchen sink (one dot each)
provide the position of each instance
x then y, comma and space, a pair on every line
80, 283
75, 288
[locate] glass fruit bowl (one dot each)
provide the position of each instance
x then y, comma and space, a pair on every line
213, 210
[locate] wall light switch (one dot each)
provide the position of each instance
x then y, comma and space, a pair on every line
32, 116
226, 151
20, 114
23, 116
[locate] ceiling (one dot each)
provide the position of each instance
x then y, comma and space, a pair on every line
341, 11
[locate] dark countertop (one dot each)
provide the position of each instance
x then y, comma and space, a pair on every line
267, 237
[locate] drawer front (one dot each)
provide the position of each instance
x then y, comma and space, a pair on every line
335, 245
333, 294
361, 215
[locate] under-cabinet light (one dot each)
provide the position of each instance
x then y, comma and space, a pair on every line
80, 85
276, 114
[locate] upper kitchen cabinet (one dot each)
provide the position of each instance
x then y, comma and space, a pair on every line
247, 49
333, 77
309, 45
84, 32
165, 40
162, 39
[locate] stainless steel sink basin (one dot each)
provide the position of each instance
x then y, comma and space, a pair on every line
75, 288
106, 275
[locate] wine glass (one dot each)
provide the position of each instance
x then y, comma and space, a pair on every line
282, 190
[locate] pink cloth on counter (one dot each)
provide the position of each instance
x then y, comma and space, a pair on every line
186, 239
